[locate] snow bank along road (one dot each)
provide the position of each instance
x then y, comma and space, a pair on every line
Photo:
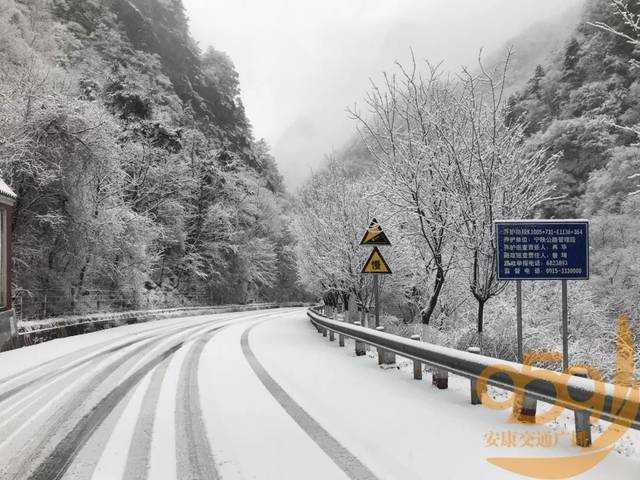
253, 395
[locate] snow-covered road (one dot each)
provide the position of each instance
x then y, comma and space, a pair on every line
256, 395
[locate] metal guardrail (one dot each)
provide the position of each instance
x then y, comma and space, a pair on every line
620, 405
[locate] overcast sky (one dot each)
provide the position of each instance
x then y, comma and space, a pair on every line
302, 62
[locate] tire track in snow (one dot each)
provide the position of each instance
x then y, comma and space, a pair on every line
145, 378
20, 470
76, 412
137, 463
18, 407
99, 445
111, 462
73, 356
342, 457
104, 455
139, 456
52, 376
165, 329
193, 453
162, 456
82, 386
57, 462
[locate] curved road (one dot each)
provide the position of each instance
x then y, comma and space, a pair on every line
253, 395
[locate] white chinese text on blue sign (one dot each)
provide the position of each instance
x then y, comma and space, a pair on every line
542, 250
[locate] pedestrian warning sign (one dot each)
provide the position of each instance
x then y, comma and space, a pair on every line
375, 235
376, 263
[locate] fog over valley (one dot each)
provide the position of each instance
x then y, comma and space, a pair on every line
302, 63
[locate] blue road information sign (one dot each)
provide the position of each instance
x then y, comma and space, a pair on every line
542, 249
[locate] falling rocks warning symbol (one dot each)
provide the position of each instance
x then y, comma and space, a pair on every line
376, 263
375, 235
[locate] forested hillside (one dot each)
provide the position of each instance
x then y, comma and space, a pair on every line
584, 105
138, 179
536, 45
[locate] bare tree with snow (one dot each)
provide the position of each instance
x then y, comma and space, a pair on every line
331, 215
401, 127
629, 13
452, 166
495, 175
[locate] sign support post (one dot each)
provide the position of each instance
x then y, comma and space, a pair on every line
543, 250
376, 264
565, 329
376, 298
519, 319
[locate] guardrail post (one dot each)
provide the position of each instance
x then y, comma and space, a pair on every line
360, 347
324, 332
340, 340
331, 336
381, 359
582, 417
525, 408
386, 358
476, 397
440, 379
417, 366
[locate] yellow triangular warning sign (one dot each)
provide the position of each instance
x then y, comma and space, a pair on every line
375, 235
376, 263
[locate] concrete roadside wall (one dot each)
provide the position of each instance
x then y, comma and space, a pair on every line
27, 332
8, 330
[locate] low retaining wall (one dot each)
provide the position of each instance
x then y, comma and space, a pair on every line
8, 331
37, 331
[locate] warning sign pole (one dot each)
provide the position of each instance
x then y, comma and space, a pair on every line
376, 299
376, 265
